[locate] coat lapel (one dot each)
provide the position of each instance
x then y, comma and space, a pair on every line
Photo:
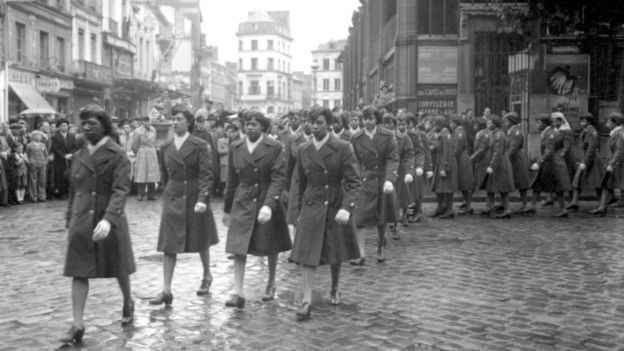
367, 143
83, 157
173, 154
329, 149
260, 151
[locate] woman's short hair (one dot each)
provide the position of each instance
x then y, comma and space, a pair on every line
616, 117
101, 115
188, 115
371, 111
320, 111
265, 122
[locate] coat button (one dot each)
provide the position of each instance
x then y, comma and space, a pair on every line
256, 185
185, 182
254, 200
184, 197
325, 203
255, 170
326, 186
91, 211
325, 172
93, 193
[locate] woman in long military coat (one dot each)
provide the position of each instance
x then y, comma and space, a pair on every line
444, 182
254, 213
590, 170
481, 155
146, 169
614, 169
499, 170
377, 154
465, 179
98, 244
328, 184
422, 156
517, 157
187, 223
551, 173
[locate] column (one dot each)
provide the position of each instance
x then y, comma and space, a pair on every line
406, 53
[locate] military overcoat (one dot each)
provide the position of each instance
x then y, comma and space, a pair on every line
614, 180
99, 185
327, 180
517, 157
591, 177
445, 162
501, 179
465, 176
480, 157
552, 175
405, 192
187, 179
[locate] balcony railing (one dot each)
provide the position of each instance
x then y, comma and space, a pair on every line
92, 72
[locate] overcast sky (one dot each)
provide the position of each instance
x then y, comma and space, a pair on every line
311, 23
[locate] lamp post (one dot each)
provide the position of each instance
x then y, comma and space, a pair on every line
314, 67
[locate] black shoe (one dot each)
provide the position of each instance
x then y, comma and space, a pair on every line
448, 215
358, 261
416, 218
269, 293
235, 301
304, 311
204, 287
127, 314
505, 214
561, 214
395, 233
546, 203
598, 211
572, 207
335, 297
437, 213
230, 257
466, 211
529, 211
73, 336
380, 257
140, 198
163, 297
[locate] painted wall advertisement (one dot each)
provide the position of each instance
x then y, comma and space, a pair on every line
437, 65
437, 99
568, 85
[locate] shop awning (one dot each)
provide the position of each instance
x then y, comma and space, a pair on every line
31, 98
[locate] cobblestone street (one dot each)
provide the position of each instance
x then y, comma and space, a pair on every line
529, 283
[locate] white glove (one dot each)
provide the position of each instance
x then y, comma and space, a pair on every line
4, 154
489, 170
429, 174
419, 172
442, 173
534, 167
265, 214
342, 217
68, 156
609, 169
200, 207
408, 178
101, 230
582, 166
388, 187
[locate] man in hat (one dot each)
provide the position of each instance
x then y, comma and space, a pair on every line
63, 145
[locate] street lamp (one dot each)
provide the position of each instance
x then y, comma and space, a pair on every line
314, 67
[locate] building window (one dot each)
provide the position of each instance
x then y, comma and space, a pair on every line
325, 103
240, 64
20, 41
270, 109
254, 63
60, 53
437, 17
337, 84
254, 45
325, 64
240, 45
270, 88
240, 88
60, 4
337, 103
270, 64
81, 44
44, 49
337, 65
325, 84
254, 87
269, 44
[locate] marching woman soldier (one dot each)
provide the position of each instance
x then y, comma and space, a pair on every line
98, 245
590, 170
499, 177
614, 171
465, 178
254, 214
328, 182
444, 182
377, 154
146, 170
517, 157
422, 156
481, 155
565, 140
187, 223
552, 173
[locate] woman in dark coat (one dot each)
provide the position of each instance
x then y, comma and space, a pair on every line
551, 171
614, 170
98, 244
187, 223
422, 157
254, 214
377, 154
517, 157
465, 178
444, 182
590, 169
499, 171
481, 155
328, 182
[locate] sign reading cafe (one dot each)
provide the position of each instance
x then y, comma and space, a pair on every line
436, 99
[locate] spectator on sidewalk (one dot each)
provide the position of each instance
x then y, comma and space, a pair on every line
146, 169
63, 145
37, 153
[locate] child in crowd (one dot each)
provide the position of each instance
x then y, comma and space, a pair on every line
37, 153
20, 164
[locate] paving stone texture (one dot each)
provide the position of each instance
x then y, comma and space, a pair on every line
472, 283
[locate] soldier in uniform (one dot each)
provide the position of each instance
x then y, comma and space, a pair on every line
465, 180
254, 214
499, 172
422, 156
340, 126
481, 155
328, 182
517, 157
187, 223
377, 154
444, 182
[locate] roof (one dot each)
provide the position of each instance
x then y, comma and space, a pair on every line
332, 45
259, 16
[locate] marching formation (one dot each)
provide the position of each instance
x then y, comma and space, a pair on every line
309, 182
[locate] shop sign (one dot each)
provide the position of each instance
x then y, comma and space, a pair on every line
24, 78
437, 65
437, 99
48, 85
568, 85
